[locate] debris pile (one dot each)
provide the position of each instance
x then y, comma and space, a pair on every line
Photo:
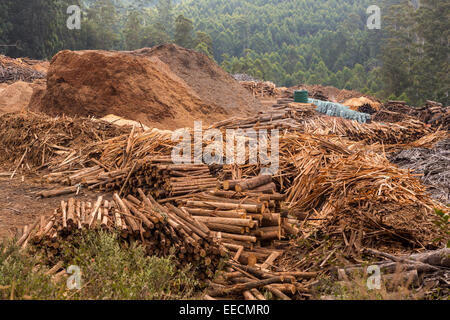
433, 113
345, 188
145, 85
37, 140
432, 164
12, 70
260, 89
363, 104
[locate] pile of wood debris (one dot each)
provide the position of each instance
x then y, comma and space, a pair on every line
260, 89
36, 141
333, 190
432, 164
432, 113
12, 70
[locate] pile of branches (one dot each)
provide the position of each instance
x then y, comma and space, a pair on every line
432, 164
247, 282
432, 113
37, 140
12, 70
341, 187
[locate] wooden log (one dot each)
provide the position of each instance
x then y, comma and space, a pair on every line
231, 221
127, 215
276, 292
248, 295
253, 183
57, 192
71, 213
225, 228
267, 188
238, 288
257, 294
93, 213
238, 214
224, 235
27, 233
270, 259
64, 215
254, 208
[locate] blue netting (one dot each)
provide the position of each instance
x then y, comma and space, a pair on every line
338, 110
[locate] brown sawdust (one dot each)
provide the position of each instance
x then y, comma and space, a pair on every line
139, 86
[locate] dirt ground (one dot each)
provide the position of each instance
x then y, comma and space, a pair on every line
20, 205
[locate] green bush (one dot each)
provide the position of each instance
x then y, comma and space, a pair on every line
109, 270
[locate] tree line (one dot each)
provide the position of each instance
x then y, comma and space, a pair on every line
288, 42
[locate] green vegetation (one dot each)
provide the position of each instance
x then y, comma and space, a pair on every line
109, 271
288, 42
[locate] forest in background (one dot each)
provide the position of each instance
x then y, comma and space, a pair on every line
288, 42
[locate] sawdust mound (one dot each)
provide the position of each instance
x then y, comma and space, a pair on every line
16, 96
135, 86
210, 82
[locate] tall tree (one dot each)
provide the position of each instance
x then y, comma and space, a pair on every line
165, 15
183, 32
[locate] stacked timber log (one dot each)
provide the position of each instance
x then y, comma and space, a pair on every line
282, 116
432, 113
247, 222
435, 114
158, 175
158, 228
260, 88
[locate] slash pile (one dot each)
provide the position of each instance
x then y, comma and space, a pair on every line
341, 186
260, 88
12, 70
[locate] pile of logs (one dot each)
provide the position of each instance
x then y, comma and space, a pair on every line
258, 283
432, 113
260, 88
284, 115
435, 114
246, 222
158, 175
159, 228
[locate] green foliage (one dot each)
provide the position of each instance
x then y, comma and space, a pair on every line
288, 42
22, 278
443, 224
183, 32
108, 271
